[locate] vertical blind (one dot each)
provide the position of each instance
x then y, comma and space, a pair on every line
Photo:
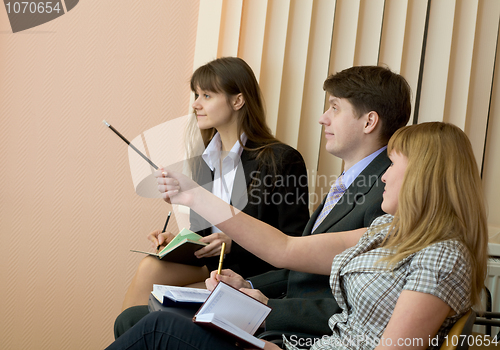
446, 49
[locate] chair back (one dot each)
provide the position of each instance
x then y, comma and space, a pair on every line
458, 336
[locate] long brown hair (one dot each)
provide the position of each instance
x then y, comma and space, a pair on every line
232, 76
441, 197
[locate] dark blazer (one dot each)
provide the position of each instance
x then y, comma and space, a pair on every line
280, 201
303, 302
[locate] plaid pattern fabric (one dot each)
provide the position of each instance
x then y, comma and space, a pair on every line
336, 192
367, 292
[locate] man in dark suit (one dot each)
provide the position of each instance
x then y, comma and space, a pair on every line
367, 105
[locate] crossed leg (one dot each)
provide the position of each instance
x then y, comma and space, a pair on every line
154, 271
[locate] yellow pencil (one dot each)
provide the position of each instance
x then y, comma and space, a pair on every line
221, 259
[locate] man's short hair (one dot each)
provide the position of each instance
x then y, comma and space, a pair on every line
373, 88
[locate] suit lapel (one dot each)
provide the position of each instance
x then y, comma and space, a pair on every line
239, 196
205, 176
312, 220
359, 187
246, 166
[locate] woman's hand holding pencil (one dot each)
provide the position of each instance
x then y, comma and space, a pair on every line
160, 239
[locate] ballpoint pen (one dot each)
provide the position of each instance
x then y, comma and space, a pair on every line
164, 228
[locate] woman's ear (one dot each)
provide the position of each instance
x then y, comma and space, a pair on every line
237, 102
371, 121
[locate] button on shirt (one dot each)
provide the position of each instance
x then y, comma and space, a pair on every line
224, 171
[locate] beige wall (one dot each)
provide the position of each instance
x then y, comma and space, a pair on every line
69, 213
68, 210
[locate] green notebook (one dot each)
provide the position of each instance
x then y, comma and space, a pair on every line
181, 249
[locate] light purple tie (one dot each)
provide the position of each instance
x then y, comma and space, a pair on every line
333, 197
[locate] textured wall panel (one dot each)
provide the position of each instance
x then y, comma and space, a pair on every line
294, 69
230, 26
482, 70
491, 166
464, 30
371, 14
69, 214
437, 61
208, 33
393, 33
252, 32
273, 57
413, 46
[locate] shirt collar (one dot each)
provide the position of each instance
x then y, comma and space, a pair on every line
211, 155
354, 171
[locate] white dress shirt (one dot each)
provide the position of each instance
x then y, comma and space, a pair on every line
224, 169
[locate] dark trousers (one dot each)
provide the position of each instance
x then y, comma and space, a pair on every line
128, 318
170, 330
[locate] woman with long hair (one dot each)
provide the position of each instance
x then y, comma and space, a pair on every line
242, 164
409, 276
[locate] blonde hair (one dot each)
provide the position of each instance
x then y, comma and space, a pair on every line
441, 197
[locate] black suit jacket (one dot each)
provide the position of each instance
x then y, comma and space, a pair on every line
303, 302
280, 201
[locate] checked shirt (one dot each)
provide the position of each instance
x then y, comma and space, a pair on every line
367, 292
